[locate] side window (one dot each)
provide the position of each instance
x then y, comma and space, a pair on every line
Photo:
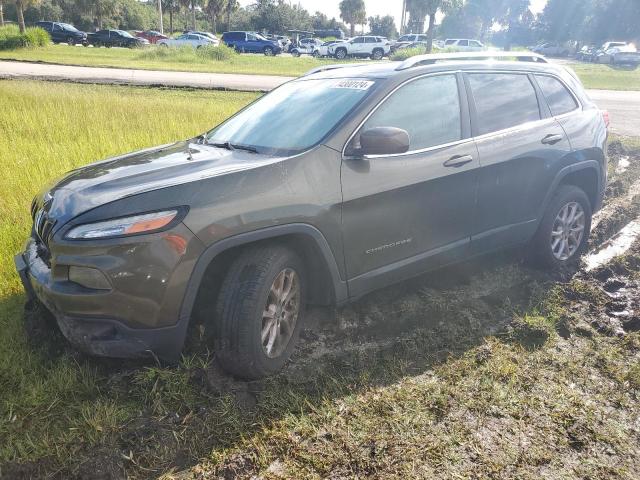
558, 97
463, 43
503, 100
251, 37
359, 40
369, 40
422, 38
57, 28
450, 42
473, 43
427, 108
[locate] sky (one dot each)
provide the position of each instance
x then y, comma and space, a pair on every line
374, 7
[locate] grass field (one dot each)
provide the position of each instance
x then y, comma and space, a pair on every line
470, 376
593, 76
135, 58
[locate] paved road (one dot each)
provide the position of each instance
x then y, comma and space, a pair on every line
624, 107
139, 77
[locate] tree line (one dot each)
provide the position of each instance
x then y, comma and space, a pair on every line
504, 22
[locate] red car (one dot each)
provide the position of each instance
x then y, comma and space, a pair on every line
150, 35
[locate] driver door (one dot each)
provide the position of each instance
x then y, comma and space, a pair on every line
406, 213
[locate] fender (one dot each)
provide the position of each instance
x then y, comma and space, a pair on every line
340, 290
584, 165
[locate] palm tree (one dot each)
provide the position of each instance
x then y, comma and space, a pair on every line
353, 12
422, 8
214, 9
232, 5
1, 14
20, 7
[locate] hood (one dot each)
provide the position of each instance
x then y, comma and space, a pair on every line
155, 168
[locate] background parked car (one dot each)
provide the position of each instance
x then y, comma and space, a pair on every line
406, 40
63, 33
367, 46
115, 38
586, 53
552, 49
251, 42
205, 34
306, 46
464, 45
323, 49
619, 55
188, 39
150, 35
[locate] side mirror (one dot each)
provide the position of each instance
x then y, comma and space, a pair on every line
384, 141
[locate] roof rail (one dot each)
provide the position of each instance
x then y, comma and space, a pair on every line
325, 68
420, 60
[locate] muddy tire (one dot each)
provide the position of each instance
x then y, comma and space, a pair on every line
564, 230
259, 312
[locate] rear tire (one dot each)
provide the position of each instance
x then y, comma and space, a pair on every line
559, 243
260, 311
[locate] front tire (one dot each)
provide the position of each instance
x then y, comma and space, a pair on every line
377, 54
260, 312
268, 52
295, 53
341, 53
71, 41
564, 230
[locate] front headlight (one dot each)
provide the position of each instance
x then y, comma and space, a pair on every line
137, 224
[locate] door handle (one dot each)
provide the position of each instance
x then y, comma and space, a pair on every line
552, 139
458, 161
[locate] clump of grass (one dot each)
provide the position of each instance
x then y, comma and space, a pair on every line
188, 54
12, 39
404, 53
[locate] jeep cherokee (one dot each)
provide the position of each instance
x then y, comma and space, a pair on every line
392, 170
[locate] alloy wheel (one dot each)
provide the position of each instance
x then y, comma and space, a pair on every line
280, 313
568, 231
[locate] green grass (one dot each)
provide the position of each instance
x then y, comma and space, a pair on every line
148, 59
436, 399
606, 77
12, 39
48, 404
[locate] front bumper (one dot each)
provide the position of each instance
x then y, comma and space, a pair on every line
95, 321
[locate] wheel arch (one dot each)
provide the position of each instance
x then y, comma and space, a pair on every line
584, 175
328, 287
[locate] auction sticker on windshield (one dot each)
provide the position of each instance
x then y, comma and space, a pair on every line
354, 84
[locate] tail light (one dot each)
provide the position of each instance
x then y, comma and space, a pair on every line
605, 116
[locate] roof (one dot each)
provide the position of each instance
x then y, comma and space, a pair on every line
419, 66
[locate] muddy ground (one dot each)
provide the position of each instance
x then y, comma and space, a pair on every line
388, 336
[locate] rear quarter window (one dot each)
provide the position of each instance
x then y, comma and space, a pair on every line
558, 97
503, 100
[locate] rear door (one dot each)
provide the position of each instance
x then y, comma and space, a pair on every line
521, 147
406, 213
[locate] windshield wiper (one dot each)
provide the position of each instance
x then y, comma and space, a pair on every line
233, 146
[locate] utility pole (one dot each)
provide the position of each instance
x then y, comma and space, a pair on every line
402, 19
160, 15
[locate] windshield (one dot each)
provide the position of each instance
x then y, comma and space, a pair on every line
68, 27
260, 37
293, 117
124, 34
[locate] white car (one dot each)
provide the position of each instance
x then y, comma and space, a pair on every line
365, 46
464, 45
190, 39
306, 46
323, 49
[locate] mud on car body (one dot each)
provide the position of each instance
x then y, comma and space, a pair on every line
398, 169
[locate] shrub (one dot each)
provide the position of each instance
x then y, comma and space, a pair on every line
187, 54
11, 38
404, 53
